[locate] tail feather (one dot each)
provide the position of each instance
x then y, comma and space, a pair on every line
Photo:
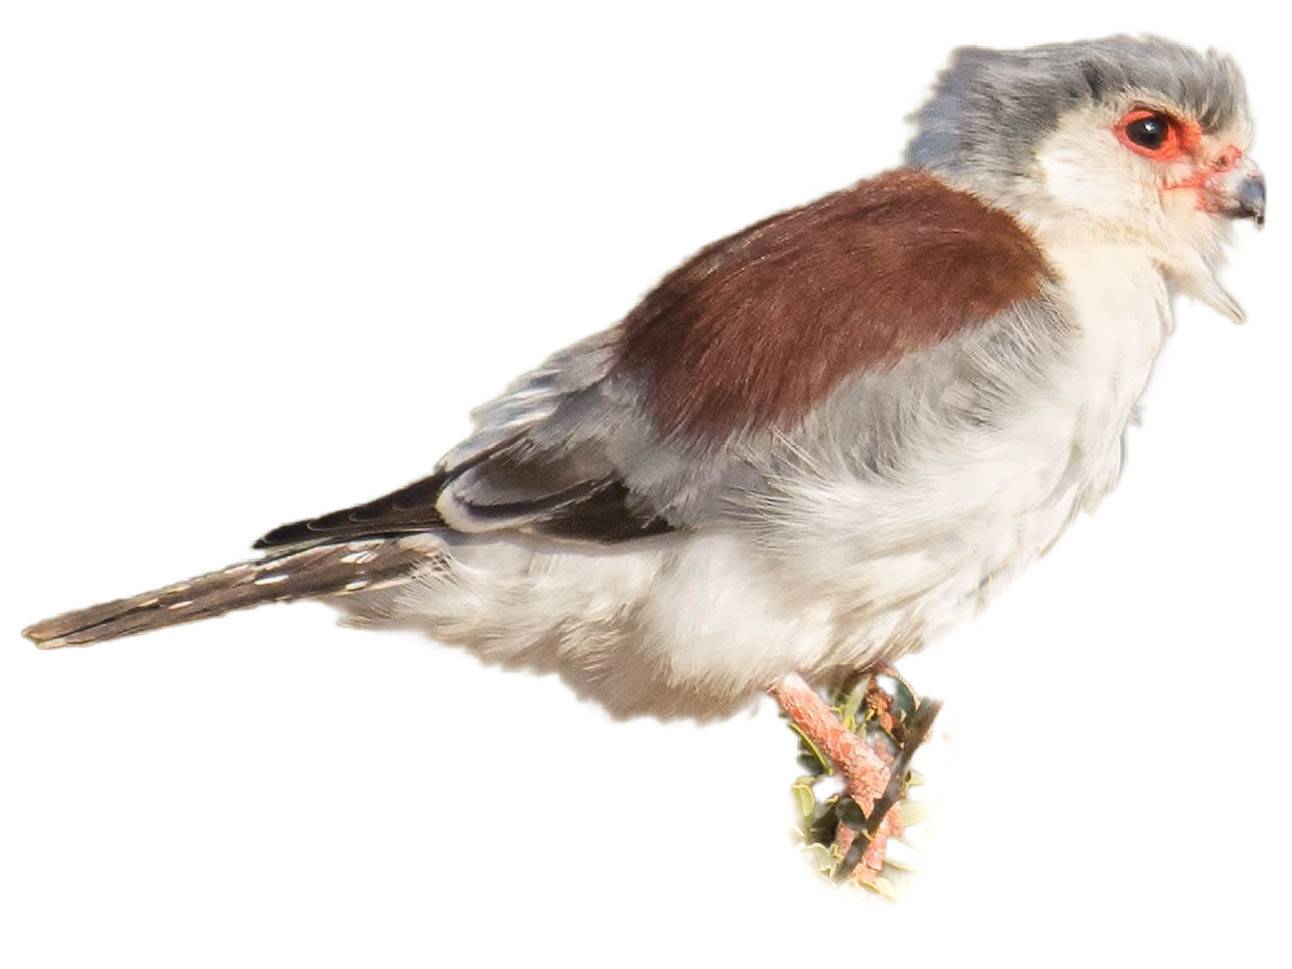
322, 570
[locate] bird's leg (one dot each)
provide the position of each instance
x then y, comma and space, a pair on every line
873, 763
864, 769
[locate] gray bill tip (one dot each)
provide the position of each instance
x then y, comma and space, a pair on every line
1251, 199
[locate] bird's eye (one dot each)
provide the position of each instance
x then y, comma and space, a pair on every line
1150, 133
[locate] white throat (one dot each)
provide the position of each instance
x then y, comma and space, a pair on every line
1121, 304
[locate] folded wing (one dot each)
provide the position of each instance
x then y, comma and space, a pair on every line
642, 429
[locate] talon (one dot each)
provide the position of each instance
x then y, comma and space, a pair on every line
869, 739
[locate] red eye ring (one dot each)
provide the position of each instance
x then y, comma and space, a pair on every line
1154, 134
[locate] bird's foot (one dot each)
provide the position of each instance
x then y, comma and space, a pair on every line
866, 738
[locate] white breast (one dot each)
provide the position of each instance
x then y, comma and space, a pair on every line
1065, 452
923, 554
1121, 305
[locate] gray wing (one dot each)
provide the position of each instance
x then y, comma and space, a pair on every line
570, 451
551, 456
804, 341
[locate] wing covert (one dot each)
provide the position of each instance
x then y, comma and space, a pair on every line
667, 419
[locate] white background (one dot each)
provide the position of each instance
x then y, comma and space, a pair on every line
256, 262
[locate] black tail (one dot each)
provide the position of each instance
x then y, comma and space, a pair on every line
335, 569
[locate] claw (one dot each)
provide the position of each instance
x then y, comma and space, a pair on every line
901, 697
868, 737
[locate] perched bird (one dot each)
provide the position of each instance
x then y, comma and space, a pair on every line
823, 441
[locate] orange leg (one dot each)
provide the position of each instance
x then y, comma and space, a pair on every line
872, 776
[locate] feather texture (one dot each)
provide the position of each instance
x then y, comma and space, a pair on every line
759, 328
319, 571
746, 339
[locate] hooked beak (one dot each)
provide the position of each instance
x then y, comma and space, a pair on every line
1240, 193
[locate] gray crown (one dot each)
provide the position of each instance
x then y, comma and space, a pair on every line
991, 108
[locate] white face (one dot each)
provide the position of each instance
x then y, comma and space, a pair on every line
1145, 173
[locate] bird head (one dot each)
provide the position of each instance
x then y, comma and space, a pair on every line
1133, 141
